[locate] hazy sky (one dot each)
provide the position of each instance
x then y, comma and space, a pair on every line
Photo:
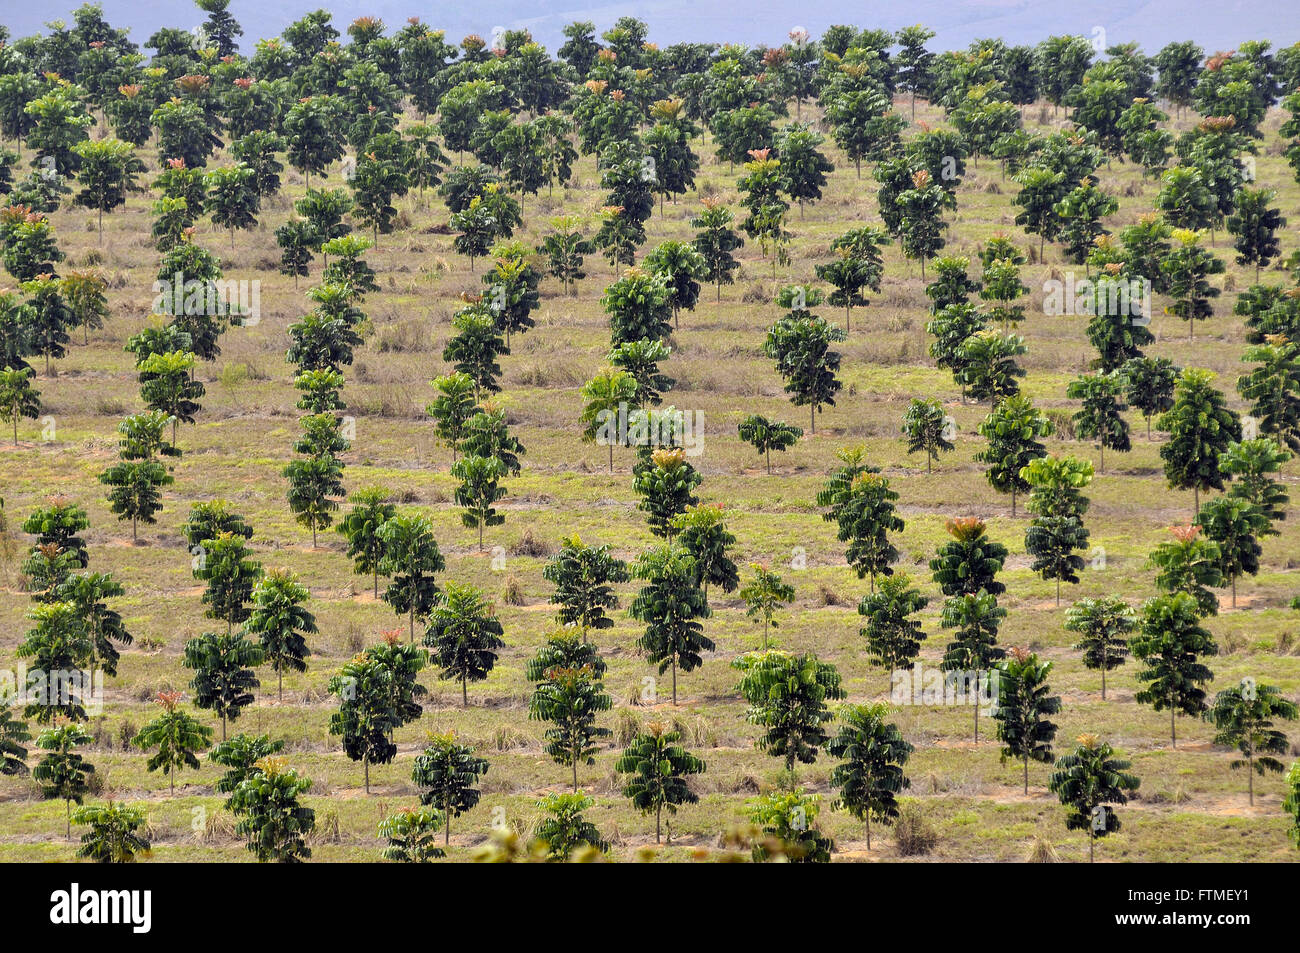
1214, 24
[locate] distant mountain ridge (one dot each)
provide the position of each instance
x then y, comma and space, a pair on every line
1152, 23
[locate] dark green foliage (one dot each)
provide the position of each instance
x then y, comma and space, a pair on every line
1149, 385
974, 649
361, 528
1088, 781
1170, 643
1023, 707
281, 621
239, 756
768, 435
271, 817
565, 831
1273, 387
570, 697
658, 766
800, 345
1200, 427
787, 695
582, 576
464, 636
479, 489
1249, 464
13, 753
1254, 226
63, 773
969, 563
113, 837
223, 673
1056, 532
59, 523
1101, 417
225, 565
1234, 525
1243, 718
893, 637
667, 487
870, 776
671, 605
175, 737
411, 559
446, 774
1103, 625
134, 492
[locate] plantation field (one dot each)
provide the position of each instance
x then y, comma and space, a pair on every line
1190, 807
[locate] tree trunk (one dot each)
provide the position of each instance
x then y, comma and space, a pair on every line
674, 681
464, 693
659, 823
